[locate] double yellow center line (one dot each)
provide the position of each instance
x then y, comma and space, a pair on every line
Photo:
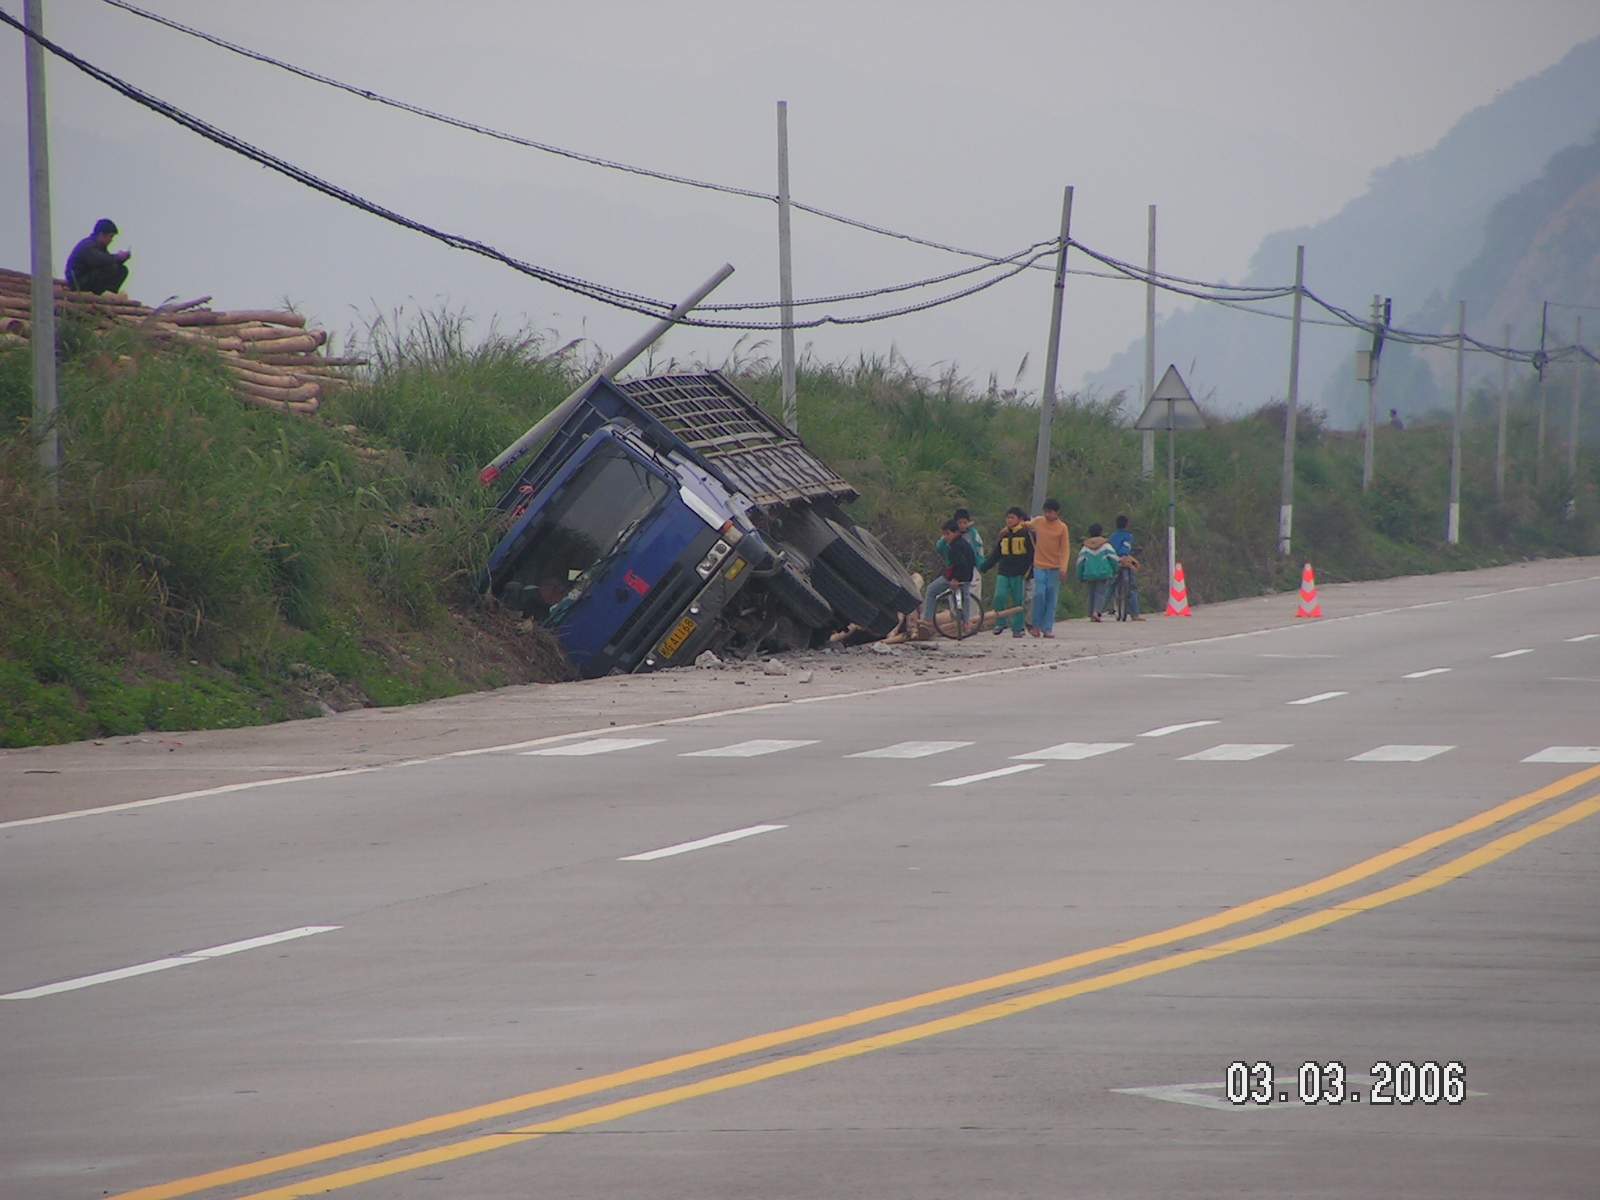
994, 1010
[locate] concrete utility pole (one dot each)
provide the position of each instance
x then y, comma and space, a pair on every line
1500, 435
1380, 319
1538, 437
43, 316
1147, 451
791, 407
1052, 359
1577, 401
1286, 507
1453, 524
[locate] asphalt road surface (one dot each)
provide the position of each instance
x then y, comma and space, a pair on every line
1022, 930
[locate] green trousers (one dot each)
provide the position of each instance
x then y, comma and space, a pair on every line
1008, 593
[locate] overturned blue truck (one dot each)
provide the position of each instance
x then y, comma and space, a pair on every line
667, 516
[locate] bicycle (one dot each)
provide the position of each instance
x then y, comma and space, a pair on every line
1121, 588
947, 615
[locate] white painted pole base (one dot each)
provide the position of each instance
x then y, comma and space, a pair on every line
1285, 526
1453, 532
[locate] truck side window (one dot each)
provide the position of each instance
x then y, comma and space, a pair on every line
582, 527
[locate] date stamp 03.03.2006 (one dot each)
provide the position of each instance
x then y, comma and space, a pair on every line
1330, 1082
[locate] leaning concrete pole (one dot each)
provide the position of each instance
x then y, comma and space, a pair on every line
1577, 401
1052, 360
554, 419
1453, 522
1147, 450
1500, 433
43, 316
791, 408
1286, 504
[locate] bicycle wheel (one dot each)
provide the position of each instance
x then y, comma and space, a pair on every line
949, 620
1123, 586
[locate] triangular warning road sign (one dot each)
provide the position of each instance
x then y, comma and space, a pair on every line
1171, 406
1172, 387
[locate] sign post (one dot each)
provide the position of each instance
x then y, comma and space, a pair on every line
1171, 407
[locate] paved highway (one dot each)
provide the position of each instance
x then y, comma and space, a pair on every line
996, 934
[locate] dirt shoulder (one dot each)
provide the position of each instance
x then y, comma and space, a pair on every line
53, 779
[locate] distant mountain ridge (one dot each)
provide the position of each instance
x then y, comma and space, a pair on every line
1420, 224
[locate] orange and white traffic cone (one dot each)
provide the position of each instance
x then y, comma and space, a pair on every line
1310, 606
1178, 600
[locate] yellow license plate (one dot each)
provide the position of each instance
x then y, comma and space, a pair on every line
736, 570
674, 641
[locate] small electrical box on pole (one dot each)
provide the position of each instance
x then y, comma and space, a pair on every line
1171, 407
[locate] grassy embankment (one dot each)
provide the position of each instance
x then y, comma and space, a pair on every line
211, 565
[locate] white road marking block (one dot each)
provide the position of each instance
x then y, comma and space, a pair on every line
996, 774
717, 839
1513, 653
1319, 698
1584, 637
1166, 729
910, 750
1401, 754
1237, 752
751, 749
165, 964
1074, 751
1566, 754
1425, 674
1194, 675
594, 746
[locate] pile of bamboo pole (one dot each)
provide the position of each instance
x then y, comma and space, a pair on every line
274, 359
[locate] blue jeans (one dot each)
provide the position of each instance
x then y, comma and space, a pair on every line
1046, 594
1099, 595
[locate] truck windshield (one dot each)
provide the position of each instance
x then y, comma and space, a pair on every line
583, 527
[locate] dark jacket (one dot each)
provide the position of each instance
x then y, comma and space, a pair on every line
93, 268
963, 562
1013, 552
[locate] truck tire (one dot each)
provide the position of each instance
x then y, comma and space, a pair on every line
862, 560
876, 578
850, 604
791, 587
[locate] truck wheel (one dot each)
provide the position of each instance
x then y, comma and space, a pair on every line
863, 560
850, 604
856, 562
791, 587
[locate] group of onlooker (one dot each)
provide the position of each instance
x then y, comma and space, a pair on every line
1030, 549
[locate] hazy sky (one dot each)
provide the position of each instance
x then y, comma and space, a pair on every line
960, 121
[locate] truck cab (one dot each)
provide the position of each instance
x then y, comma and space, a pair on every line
625, 555
660, 520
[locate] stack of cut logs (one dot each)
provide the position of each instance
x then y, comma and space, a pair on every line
274, 360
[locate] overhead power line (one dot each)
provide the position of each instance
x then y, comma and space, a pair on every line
601, 161
1234, 296
616, 297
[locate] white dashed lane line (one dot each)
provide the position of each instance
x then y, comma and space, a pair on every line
1166, 729
1584, 637
716, 839
752, 749
1428, 672
1566, 754
1393, 754
995, 774
910, 750
1237, 752
166, 964
1319, 698
1074, 751
594, 746
1513, 653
